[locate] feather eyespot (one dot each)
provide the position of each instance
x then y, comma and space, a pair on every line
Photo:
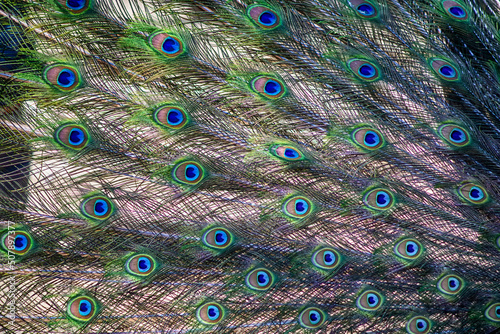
63, 77
493, 312
364, 70
297, 207
140, 265
368, 138
188, 172
379, 199
210, 313
418, 325
269, 87
444, 69
264, 17
72, 136
168, 45
473, 193
450, 285
311, 317
409, 249
454, 135
217, 238
286, 152
259, 279
364, 9
456, 10
75, 7
370, 300
97, 208
82, 308
326, 258
172, 117
19, 243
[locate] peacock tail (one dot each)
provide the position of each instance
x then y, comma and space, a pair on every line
249, 166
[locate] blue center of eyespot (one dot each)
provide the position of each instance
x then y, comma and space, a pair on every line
453, 284
291, 153
66, 78
497, 310
457, 11
301, 206
84, 308
20, 242
143, 264
476, 194
75, 4
447, 71
76, 136
262, 278
383, 199
366, 71
175, 117
272, 87
457, 135
328, 257
411, 248
421, 325
366, 9
371, 139
170, 45
220, 237
372, 299
267, 18
314, 317
100, 207
192, 172
213, 312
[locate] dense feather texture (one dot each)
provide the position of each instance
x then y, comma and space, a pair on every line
250, 167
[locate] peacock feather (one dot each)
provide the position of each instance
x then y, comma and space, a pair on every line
249, 166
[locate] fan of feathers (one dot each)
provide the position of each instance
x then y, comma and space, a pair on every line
250, 166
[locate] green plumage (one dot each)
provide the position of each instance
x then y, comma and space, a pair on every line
245, 166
